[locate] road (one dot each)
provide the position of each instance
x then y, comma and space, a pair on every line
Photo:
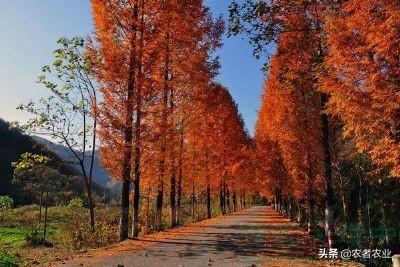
257, 236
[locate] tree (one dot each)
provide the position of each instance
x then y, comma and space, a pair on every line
362, 78
125, 52
30, 162
68, 115
6, 204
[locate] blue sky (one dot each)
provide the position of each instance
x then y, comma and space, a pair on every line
29, 30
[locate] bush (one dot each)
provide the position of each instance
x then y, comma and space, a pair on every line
33, 239
77, 234
6, 204
7, 259
76, 203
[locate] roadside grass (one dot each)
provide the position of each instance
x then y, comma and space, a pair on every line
8, 260
68, 231
11, 237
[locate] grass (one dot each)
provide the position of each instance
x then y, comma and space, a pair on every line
68, 232
8, 260
11, 237
13, 243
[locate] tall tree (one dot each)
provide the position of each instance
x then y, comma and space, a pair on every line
362, 77
117, 32
68, 115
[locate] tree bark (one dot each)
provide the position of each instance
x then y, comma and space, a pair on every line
173, 199
329, 216
173, 167
124, 220
128, 135
193, 200
138, 122
180, 176
164, 123
45, 214
136, 199
311, 216
208, 200
40, 213
159, 206
234, 201
228, 203
221, 199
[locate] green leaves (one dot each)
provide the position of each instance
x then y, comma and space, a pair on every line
30, 160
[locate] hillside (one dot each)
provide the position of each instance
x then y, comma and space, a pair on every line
13, 143
100, 175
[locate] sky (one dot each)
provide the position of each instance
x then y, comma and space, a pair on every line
29, 30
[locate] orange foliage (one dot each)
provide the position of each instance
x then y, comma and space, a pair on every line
363, 77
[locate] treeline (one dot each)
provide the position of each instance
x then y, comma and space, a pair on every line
328, 131
166, 128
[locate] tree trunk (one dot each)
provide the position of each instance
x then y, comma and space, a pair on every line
180, 176
173, 199
371, 237
90, 202
159, 206
164, 123
228, 204
224, 197
311, 203
234, 201
45, 214
300, 218
193, 200
147, 211
291, 209
40, 213
138, 122
384, 216
128, 135
173, 167
124, 220
208, 200
286, 199
344, 206
136, 199
178, 201
329, 216
311, 216
221, 199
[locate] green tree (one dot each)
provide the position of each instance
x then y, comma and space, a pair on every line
68, 114
6, 204
29, 162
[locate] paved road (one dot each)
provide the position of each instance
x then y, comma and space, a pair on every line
257, 236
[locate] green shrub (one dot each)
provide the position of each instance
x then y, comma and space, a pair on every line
76, 204
77, 233
8, 260
35, 239
6, 204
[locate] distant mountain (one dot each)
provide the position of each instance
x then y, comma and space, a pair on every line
13, 143
100, 175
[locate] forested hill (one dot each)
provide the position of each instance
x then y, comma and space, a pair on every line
100, 175
68, 182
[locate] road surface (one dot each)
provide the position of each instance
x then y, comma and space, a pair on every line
257, 236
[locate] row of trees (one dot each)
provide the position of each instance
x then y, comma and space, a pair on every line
329, 124
142, 91
162, 121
